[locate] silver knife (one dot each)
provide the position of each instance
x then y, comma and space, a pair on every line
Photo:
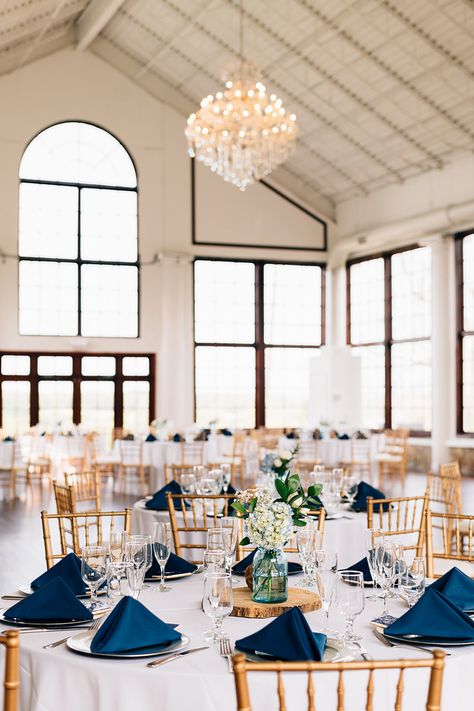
171, 657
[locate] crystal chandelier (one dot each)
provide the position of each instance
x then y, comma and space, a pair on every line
241, 133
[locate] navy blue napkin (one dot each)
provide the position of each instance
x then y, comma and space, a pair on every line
363, 491
457, 587
132, 627
150, 438
174, 566
54, 602
177, 437
8, 439
158, 501
363, 567
226, 432
288, 638
69, 570
239, 568
434, 617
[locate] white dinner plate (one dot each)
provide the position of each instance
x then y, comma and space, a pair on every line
60, 625
425, 641
28, 590
336, 651
81, 643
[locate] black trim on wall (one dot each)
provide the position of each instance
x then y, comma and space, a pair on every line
460, 330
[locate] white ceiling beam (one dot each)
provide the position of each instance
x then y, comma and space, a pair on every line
93, 20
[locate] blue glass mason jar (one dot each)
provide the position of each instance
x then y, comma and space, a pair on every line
270, 576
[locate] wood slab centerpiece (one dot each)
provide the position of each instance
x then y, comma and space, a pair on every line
244, 606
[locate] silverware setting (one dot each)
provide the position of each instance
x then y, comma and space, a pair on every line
171, 657
93, 628
225, 651
363, 652
389, 643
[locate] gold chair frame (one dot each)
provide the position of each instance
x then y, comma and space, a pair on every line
10, 639
86, 487
401, 520
143, 471
455, 528
174, 470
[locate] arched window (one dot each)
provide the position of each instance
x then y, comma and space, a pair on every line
78, 252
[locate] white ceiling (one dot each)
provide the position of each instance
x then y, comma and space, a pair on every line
383, 89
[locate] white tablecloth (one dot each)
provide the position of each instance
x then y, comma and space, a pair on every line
58, 679
334, 451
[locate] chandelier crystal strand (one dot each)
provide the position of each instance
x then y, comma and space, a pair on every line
241, 133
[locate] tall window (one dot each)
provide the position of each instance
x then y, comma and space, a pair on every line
465, 333
78, 253
389, 326
257, 327
100, 392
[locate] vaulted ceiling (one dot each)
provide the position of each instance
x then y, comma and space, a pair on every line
383, 89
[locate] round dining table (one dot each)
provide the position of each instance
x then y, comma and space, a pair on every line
59, 679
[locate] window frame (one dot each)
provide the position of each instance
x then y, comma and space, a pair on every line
77, 378
258, 344
388, 340
79, 261
461, 333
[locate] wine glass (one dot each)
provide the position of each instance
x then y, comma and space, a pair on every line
217, 602
136, 554
188, 483
116, 548
162, 549
338, 479
385, 569
412, 581
350, 600
226, 474
213, 560
230, 538
117, 575
94, 569
307, 541
215, 540
145, 541
326, 577
216, 474
373, 536
350, 487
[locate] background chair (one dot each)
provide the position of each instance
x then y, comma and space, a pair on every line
443, 489
360, 461
449, 542
174, 471
132, 467
404, 520
11, 682
12, 469
192, 452
392, 460
86, 490
101, 460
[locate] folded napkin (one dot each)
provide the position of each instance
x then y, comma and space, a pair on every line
54, 602
457, 587
239, 568
8, 439
174, 566
226, 432
177, 437
434, 617
150, 438
361, 566
288, 638
69, 570
363, 491
132, 627
158, 501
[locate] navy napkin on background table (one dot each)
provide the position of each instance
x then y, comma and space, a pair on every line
150, 438
288, 638
131, 627
158, 501
457, 587
69, 570
363, 567
363, 491
177, 437
434, 617
239, 568
54, 602
226, 432
174, 566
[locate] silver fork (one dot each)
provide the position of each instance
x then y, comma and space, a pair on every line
94, 627
362, 650
226, 651
388, 643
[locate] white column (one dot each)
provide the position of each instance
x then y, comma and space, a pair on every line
336, 307
443, 348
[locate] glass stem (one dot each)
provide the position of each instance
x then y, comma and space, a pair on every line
385, 602
349, 627
162, 571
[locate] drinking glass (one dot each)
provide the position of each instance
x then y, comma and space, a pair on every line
226, 474
411, 582
217, 475
350, 487
214, 561
188, 483
326, 577
145, 541
162, 549
116, 548
230, 538
215, 541
217, 602
373, 536
94, 568
136, 554
385, 569
117, 580
329, 495
338, 479
306, 545
350, 600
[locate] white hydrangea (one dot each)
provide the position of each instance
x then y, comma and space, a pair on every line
270, 525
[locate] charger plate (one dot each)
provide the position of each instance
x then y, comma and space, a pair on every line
336, 651
36, 623
426, 641
28, 590
81, 643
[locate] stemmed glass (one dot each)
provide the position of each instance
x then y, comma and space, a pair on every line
162, 549
412, 581
136, 554
188, 483
386, 557
215, 540
230, 538
326, 577
350, 488
213, 560
373, 537
338, 480
145, 541
94, 569
350, 600
226, 474
217, 602
116, 546
307, 541
117, 573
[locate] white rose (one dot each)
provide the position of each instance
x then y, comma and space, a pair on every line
296, 503
286, 454
277, 462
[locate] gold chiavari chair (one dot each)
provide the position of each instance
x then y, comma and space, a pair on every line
392, 460
203, 512
433, 699
12, 469
449, 542
74, 530
307, 457
238, 459
86, 489
443, 489
104, 462
404, 520
132, 465
11, 680
360, 461
174, 471
192, 452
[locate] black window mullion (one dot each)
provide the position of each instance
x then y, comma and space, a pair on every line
34, 391
259, 347
388, 341
79, 264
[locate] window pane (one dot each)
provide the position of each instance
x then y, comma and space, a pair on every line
372, 385
224, 295
15, 407
468, 278
136, 366
55, 403
411, 294
48, 221
225, 386
136, 401
287, 386
109, 298
367, 292
411, 385
48, 298
292, 302
468, 384
109, 225
97, 406
15, 365
98, 365
54, 365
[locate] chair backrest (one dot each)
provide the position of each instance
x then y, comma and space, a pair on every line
405, 519
433, 700
192, 452
174, 471
449, 542
131, 452
87, 489
444, 488
72, 531
203, 512
396, 441
11, 680
65, 498
308, 451
360, 450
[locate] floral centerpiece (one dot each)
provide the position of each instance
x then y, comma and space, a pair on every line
270, 523
279, 464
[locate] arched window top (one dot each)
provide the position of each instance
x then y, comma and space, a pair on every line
77, 152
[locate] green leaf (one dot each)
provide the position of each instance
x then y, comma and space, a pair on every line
239, 507
253, 504
293, 484
282, 489
245, 541
299, 523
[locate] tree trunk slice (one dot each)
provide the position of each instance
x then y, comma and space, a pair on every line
244, 606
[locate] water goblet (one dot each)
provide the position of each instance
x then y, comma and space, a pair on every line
326, 578
338, 479
412, 581
94, 569
373, 536
116, 547
188, 483
217, 602
162, 549
305, 543
350, 485
230, 538
136, 554
117, 580
350, 600
226, 475
145, 541
214, 539
385, 569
